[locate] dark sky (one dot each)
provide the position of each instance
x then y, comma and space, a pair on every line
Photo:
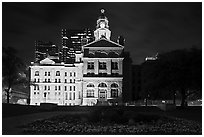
147, 27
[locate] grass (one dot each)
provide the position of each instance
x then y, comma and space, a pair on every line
113, 122
14, 116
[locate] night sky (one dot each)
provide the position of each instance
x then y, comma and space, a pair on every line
147, 27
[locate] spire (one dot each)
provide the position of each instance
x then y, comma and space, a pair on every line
102, 19
102, 11
102, 28
102, 16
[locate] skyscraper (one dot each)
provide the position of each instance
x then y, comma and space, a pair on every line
45, 49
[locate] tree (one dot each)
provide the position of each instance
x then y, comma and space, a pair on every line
179, 70
12, 66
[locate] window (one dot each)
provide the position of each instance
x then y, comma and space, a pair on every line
102, 85
65, 80
48, 73
34, 93
74, 88
70, 74
59, 88
90, 65
65, 88
45, 80
45, 87
90, 93
59, 80
45, 95
57, 73
102, 65
114, 93
74, 74
74, 96
90, 85
66, 96
114, 90
45, 73
65, 73
36, 73
70, 88
55, 80
38, 80
70, 80
48, 80
114, 65
35, 80
55, 87
70, 96
114, 85
37, 87
48, 88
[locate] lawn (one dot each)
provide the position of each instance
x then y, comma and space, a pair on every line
113, 121
108, 120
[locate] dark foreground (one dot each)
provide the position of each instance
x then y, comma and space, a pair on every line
140, 124
106, 120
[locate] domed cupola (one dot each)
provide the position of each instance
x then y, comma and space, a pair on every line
102, 28
102, 20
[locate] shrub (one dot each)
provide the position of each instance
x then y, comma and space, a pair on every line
138, 117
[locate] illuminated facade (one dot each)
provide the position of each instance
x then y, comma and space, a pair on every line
95, 75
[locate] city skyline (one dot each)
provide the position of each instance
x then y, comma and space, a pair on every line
147, 27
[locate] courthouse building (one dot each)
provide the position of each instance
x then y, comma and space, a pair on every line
94, 76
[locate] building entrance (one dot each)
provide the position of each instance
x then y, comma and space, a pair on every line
102, 94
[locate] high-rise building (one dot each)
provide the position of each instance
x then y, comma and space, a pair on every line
74, 39
90, 72
45, 49
72, 42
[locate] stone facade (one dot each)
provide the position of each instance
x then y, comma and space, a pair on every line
95, 77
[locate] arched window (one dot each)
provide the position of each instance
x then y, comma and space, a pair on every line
90, 85
114, 85
102, 85
36, 73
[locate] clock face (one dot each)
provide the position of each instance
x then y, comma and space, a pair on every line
102, 25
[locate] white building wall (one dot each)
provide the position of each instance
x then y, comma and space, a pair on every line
53, 95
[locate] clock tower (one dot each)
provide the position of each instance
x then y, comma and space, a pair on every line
102, 28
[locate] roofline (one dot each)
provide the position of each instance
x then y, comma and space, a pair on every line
106, 40
91, 43
104, 47
114, 42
